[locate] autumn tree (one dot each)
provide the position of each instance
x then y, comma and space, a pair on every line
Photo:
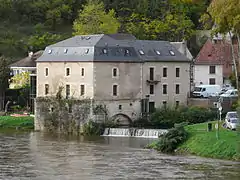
4, 77
93, 19
226, 16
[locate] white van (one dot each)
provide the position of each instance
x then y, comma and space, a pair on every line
205, 91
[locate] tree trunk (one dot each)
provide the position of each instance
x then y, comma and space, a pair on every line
2, 97
234, 60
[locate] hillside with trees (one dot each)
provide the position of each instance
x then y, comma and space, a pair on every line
27, 25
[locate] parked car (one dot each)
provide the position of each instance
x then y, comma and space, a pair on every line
232, 120
230, 93
205, 91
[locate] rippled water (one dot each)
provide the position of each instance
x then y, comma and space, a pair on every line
37, 156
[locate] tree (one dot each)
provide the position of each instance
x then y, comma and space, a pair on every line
94, 20
41, 40
226, 16
4, 77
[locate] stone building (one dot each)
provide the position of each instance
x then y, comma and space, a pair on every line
127, 75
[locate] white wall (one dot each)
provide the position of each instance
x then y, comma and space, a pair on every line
201, 74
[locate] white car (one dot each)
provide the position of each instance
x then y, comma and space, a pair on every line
232, 120
230, 93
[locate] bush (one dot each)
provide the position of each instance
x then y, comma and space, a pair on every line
195, 115
164, 118
92, 129
171, 140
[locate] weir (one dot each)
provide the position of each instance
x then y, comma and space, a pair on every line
134, 132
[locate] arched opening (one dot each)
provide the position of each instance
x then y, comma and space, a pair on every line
122, 119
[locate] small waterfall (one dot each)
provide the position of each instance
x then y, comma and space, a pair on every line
116, 132
133, 132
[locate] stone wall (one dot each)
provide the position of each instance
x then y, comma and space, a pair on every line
66, 115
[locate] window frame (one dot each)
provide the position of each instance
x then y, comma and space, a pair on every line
46, 89
82, 91
82, 71
177, 73
211, 70
115, 91
151, 73
165, 85
66, 71
46, 72
210, 81
163, 74
113, 73
177, 90
151, 89
68, 90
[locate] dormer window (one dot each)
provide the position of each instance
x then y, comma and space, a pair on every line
158, 52
86, 51
141, 52
65, 51
49, 51
104, 51
172, 53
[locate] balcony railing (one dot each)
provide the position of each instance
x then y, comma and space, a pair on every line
155, 80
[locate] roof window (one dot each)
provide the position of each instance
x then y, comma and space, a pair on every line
172, 53
49, 51
65, 51
86, 51
141, 52
158, 52
87, 38
104, 51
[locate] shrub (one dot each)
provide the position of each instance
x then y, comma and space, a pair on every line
92, 128
195, 115
166, 117
171, 140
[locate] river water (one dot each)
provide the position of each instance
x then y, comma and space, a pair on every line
39, 156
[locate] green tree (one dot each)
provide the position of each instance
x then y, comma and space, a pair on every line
43, 39
4, 77
93, 19
21, 80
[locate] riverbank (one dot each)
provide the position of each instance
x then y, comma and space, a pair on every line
200, 142
17, 123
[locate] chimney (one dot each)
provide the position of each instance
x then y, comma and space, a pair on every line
30, 54
184, 47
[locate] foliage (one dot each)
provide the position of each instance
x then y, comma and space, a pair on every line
9, 122
94, 20
173, 27
39, 41
4, 76
203, 143
226, 17
92, 128
21, 80
171, 140
167, 117
23, 24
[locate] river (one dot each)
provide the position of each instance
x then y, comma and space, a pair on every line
39, 156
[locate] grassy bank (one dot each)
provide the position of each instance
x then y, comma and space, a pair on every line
19, 123
203, 143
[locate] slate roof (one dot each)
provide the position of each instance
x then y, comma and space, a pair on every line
110, 48
182, 48
28, 61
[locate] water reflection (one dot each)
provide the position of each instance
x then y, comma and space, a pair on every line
46, 156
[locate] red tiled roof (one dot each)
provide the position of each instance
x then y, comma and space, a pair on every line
217, 53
